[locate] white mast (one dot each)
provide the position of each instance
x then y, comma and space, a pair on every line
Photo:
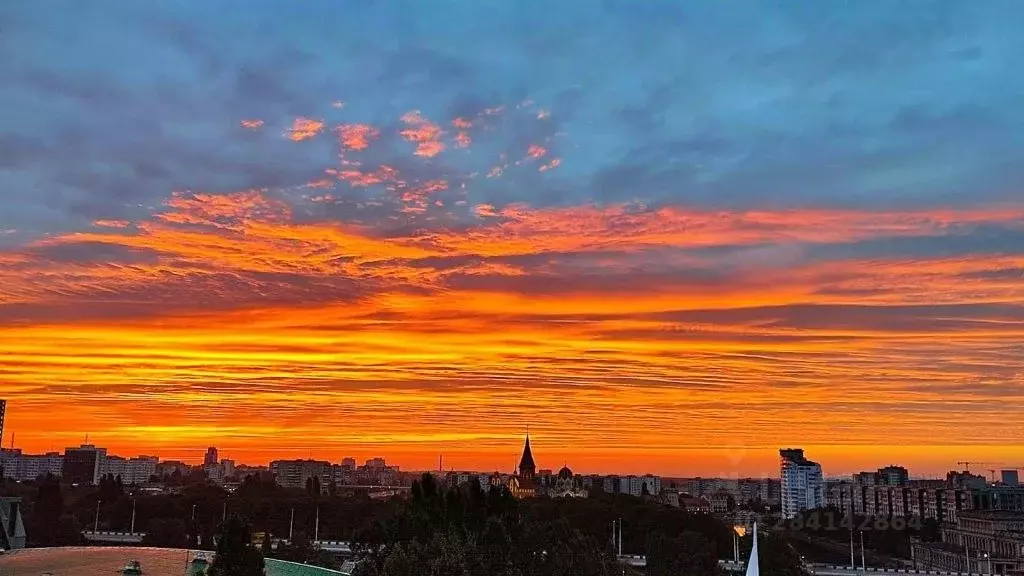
752, 565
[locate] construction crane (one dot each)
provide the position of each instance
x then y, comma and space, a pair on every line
991, 471
967, 465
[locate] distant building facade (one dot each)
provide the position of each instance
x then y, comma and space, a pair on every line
295, 473
18, 466
211, 456
980, 542
802, 482
83, 465
132, 471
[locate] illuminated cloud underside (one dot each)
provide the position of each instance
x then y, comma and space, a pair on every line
376, 275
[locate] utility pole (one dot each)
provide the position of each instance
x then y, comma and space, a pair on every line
193, 512
134, 502
852, 564
291, 525
863, 562
620, 536
96, 523
316, 526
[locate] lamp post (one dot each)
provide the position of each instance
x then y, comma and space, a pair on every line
291, 525
132, 530
863, 561
96, 522
852, 561
193, 512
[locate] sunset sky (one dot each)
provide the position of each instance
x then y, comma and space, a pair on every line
667, 236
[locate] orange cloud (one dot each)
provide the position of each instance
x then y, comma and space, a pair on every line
424, 133
111, 223
359, 178
356, 136
252, 124
554, 163
304, 129
536, 151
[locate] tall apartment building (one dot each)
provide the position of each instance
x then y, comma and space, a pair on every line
82, 465
3, 412
211, 456
295, 473
131, 470
18, 466
893, 476
802, 483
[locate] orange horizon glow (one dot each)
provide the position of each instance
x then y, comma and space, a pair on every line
672, 339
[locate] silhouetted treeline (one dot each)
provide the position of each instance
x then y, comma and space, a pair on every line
466, 530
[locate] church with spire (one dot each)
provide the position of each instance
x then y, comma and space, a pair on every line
525, 482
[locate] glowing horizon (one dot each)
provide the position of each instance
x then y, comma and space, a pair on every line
287, 249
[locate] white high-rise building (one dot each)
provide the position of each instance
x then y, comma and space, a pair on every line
802, 485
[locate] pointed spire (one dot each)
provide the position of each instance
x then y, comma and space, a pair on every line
752, 564
526, 464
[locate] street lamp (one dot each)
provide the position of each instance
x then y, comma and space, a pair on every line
863, 560
193, 511
134, 502
96, 523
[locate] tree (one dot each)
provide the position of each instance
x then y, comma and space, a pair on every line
400, 563
313, 485
236, 555
778, 558
690, 554
166, 533
47, 525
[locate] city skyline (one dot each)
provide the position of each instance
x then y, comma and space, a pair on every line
464, 462
675, 241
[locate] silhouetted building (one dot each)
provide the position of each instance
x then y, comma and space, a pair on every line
295, 473
18, 466
893, 476
3, 412
130, 470
211, 456
1010, 478
83, 465
523, 484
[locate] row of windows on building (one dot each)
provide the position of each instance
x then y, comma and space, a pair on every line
85, 464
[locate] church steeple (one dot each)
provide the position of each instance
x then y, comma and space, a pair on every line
527, 468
